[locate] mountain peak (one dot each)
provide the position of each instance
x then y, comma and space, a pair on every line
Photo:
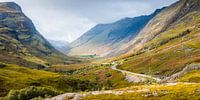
9, 6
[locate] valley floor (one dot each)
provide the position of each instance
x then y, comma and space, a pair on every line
169, 91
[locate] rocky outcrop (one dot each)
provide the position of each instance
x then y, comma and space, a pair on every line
79, 96
188, 68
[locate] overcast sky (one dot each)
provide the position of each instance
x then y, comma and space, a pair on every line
68, 19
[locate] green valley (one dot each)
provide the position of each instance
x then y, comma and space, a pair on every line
155, 56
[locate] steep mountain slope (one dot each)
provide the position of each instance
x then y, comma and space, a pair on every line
21, 43
104, 38
62, 46
168, 43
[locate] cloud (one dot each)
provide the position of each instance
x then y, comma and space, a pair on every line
68, 19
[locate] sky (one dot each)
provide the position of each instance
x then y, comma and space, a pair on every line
66, 20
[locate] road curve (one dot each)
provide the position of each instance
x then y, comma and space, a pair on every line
135, 77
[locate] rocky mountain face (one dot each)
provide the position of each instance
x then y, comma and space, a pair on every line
61, 46
168, 43
105, 38
20, 42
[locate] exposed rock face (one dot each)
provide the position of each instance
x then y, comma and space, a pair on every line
187, 69
104, 38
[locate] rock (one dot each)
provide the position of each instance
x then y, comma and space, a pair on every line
188, 68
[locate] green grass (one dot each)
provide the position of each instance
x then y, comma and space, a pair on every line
16, 77
193, 76
106, 77
98, 77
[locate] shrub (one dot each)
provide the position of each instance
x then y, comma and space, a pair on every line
30, 93
108, 74
2, 65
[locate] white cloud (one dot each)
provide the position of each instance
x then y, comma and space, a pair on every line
69, 19
60, 25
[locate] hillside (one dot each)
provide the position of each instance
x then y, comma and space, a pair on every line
154, 57
168, 43
105, 38
21, 43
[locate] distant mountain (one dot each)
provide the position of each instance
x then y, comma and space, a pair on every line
21, 43
104, 38
62, 46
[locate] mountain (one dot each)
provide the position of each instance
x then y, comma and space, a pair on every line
162, 57
168, 43
21, 43
62, 46
104, 38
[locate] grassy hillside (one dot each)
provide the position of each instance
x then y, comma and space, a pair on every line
16, 77
171, 50
96, 77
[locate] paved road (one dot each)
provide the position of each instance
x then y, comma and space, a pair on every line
135, 77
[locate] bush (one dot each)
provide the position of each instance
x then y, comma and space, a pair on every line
30, 93
108, 74
2, 65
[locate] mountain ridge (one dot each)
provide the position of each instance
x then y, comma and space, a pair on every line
108, 36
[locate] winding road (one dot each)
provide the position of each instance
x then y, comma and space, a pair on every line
135, 77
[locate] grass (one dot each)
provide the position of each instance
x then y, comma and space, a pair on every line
193, 76
97, 77
155, 92
16, 77
59, 68
108, 78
